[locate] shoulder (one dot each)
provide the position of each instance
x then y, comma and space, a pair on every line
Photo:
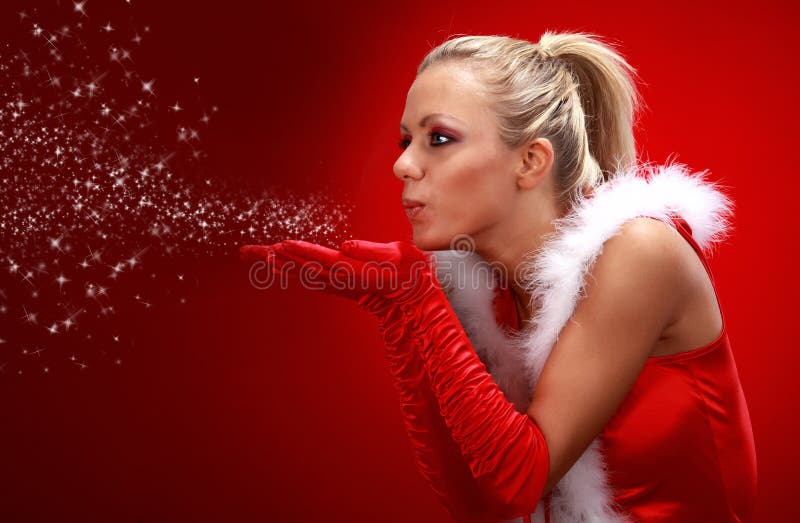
645, 239
639, 268
629, 298
649, 245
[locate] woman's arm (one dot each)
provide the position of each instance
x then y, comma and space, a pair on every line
630, 297
515, 459
632, 293
436, 455
355, 277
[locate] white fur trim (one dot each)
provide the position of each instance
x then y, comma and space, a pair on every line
555, 279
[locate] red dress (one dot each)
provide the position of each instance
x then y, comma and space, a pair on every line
680, 447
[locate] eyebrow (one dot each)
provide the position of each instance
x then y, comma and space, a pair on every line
426, 118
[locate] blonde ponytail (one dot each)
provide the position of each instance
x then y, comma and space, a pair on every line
571, 88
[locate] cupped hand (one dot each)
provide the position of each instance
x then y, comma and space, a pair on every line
394, 270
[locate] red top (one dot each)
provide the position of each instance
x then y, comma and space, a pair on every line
680, 447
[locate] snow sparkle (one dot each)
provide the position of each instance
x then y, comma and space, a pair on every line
90, 198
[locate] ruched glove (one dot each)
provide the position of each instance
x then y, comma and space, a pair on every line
484, 459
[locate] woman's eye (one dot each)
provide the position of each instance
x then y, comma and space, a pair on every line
441, 136
403, 143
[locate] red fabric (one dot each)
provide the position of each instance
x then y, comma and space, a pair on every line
505, 449
680, 447
436, 455
507, 315
505, 310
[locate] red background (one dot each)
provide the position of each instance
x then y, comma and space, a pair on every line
273, 405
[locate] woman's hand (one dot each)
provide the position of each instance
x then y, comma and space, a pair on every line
504, 451
437, 456
397, 271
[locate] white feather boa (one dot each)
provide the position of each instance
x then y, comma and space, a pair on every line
555, 278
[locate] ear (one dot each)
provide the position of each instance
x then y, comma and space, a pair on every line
536, 160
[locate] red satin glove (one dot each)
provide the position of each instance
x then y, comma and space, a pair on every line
504, 449
436, 455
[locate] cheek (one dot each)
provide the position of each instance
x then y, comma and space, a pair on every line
475, 196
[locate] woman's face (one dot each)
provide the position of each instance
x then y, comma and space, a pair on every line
453, 160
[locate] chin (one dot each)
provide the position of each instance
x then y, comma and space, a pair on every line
428, 242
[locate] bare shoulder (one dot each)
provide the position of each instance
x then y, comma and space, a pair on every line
645, 239
641, 266
629, 297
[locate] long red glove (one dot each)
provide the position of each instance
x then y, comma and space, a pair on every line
504, 449
436, 455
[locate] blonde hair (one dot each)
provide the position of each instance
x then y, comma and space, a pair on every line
571, 88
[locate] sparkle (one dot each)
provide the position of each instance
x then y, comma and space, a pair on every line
91, 195
55, 243
30, 317
147, 87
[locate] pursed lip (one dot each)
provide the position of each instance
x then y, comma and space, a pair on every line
415, 209
408, 203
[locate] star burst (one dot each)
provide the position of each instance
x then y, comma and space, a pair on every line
91, 197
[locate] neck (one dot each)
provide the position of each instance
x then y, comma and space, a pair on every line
511, 243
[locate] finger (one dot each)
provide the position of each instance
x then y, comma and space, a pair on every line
311, 252
371, 251
277, 259
311, 267
329, 259
255, 252
312, 260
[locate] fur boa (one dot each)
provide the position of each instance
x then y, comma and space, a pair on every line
555, 279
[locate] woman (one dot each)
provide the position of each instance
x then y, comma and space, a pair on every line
599, 385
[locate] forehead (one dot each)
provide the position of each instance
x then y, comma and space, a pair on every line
445, 88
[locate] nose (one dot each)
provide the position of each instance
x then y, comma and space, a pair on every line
405, 167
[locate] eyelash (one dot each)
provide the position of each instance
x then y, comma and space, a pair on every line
403, 143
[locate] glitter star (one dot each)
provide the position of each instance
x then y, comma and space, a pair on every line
61, 280
82, 171
147, 87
